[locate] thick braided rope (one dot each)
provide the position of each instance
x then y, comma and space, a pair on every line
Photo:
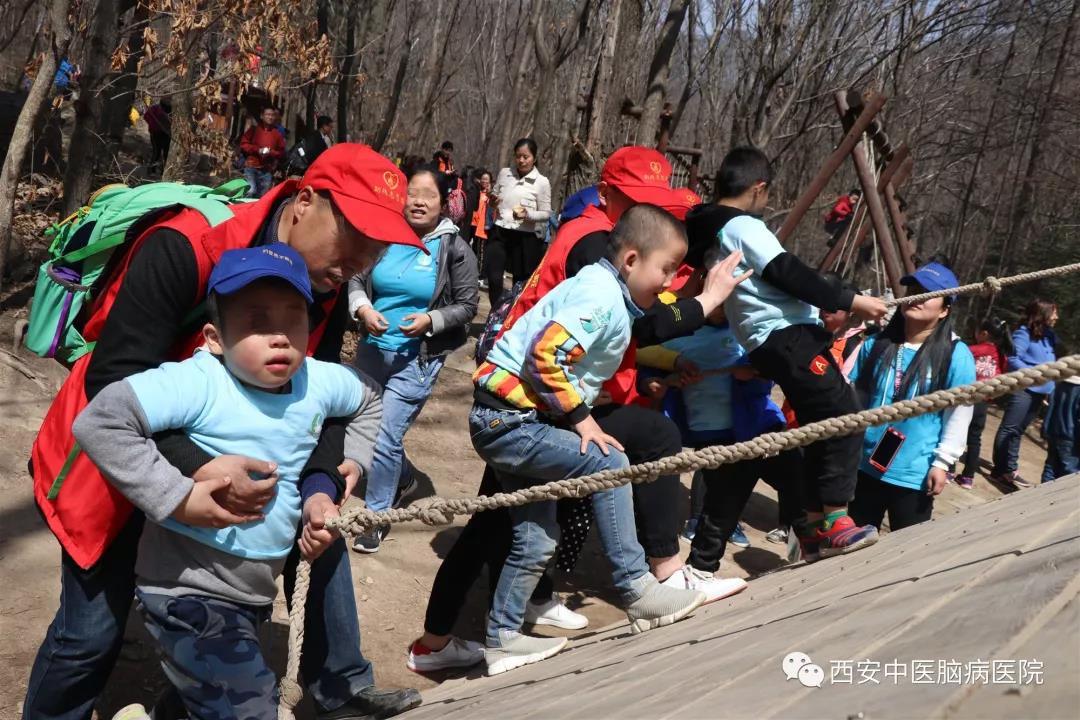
291, 692
989, 286
442, 511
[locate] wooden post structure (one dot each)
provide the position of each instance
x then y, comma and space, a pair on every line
832, 164
898, 169
873, 205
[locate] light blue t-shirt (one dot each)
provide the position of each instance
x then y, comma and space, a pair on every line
755, 308
403, 282
708, 402
923, 433
225, 417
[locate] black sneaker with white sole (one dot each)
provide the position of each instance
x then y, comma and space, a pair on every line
405, 493
370, 541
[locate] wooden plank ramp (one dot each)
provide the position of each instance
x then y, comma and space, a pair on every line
974, 615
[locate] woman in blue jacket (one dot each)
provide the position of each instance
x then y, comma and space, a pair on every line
1035, 343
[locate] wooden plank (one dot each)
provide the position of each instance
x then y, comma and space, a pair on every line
945, 589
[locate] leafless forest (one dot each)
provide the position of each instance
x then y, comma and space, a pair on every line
984, 94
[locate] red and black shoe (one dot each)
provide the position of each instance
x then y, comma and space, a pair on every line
844, 536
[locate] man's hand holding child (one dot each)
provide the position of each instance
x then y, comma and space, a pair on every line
201, 509
316, 537
242, 495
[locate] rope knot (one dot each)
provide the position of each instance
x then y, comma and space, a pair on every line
991, 285
291, 692
434, 512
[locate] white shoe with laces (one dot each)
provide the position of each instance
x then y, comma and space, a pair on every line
689, 578
554, 613
458, 653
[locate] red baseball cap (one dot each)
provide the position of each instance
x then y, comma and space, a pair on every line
368, 189
680, 202
642, 173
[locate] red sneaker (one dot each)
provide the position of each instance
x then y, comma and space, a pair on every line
845, 536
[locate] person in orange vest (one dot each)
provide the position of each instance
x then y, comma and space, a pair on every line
482, 219
339, 217
444, 158
262, 146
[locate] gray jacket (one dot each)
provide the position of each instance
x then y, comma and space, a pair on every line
454, 301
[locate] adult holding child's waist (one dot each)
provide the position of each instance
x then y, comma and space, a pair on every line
522, 201
415, 306
339, 218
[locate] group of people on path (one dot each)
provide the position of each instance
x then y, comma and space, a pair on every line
219, 431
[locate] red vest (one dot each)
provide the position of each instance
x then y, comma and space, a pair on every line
83, 510
552, 271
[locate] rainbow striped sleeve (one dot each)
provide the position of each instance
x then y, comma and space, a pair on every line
548, 365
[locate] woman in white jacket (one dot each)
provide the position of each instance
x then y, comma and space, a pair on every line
522, 201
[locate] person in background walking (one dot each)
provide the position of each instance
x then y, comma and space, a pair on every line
522, 201
1034, 342
482, 219
262, 146
311, 147
158, 122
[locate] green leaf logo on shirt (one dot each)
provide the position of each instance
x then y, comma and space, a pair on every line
596, 321
316, 425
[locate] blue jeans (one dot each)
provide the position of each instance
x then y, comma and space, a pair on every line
84, 639
516, 442
407, 384
1061, 458
1020, 410
259, 181
210, 652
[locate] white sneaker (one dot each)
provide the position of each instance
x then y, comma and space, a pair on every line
554, 613
458, 653
688, 578
521, 650
135, 711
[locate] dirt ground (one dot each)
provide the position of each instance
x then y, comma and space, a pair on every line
391, 587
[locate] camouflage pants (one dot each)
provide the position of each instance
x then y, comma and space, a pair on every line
210, 653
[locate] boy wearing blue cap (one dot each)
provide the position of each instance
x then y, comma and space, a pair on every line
206, 578
903, 465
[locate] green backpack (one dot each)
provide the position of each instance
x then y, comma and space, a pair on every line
83, 243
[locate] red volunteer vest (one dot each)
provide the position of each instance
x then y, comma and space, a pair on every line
82, 509
552, 271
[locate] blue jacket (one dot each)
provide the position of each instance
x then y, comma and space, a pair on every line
1028, 352
1063, 416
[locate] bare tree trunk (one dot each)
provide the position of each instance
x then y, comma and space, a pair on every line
659, 70
624, 75
120, 95
383, 133
1020, 227
183, 130
509, 118
22, 135
346, 81
87, 147
322, 15
602, 86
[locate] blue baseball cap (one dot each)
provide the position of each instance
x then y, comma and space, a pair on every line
932, 276
239, 268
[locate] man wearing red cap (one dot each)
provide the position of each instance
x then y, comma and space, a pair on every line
339, 218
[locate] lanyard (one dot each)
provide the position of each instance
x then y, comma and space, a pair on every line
898, 375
